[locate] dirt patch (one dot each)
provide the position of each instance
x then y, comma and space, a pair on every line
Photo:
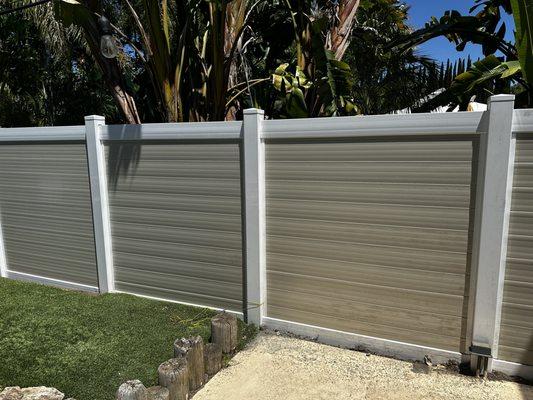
278, 367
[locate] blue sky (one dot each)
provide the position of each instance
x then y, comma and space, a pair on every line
439, 48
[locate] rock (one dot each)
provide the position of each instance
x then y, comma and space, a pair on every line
31, 393
132, 390
428, 361
158, 393
41, 393
11, 393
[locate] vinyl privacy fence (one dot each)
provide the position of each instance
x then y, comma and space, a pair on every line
408, 235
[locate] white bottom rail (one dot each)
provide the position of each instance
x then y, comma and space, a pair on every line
513, 369
21, 276
384, 347
238, 314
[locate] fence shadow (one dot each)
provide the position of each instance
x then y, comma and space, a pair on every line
123, 155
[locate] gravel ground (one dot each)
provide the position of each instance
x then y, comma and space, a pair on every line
284, 368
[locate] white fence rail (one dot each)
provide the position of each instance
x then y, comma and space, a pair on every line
387, 233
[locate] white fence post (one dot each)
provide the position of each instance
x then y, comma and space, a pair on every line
254, 211
100, 207
495, 176
3, 258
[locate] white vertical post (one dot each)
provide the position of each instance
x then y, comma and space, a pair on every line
495, 178
3, 258
254, 209
100, 206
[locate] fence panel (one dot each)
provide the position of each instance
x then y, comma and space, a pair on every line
45, 209
371, 236
516, 333
175, 211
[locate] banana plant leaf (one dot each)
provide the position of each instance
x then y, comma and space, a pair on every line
523, 16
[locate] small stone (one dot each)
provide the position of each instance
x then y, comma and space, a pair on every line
427, 361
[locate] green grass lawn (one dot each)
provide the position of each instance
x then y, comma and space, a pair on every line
87, 345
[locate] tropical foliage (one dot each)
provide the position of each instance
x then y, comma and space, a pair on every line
523, 17
47, 77
451, 70
511, 72
192, 52
379, 73
204, 60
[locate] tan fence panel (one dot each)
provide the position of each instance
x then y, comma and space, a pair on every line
516, 335
371, 237
176, 221
45, 209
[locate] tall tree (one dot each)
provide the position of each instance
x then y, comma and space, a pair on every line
318, 82
85, 15
381, 74
194, 60
187, 47
46, 75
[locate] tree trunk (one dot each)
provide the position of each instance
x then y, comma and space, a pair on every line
115, 82
341, 32
224, 331
112, 74
158, 393
125, 103
193, 351
174, 375
212, 358
132, 390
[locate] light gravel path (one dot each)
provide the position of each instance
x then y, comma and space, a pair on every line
280, 368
